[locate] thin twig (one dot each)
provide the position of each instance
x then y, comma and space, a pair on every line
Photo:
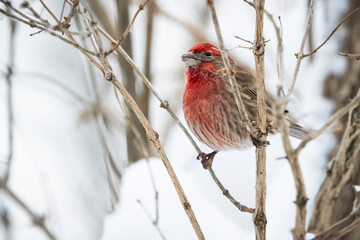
299, 55
150, 218
31, 24
280, 61
241, 207
9, 5
128, 29
10, 112
197, 33
144, 148
350, 55
37, 220
332, 33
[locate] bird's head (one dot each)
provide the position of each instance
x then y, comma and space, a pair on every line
201, 56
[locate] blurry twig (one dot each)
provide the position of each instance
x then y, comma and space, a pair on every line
331, 34
143, 147
300, 54
48, 30
10, 112
37, 220
350, 55
154, 222
194, 31
128, 29
101, 125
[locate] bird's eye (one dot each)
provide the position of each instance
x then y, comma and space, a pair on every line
208, 54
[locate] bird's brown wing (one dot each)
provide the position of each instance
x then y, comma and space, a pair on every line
247, 85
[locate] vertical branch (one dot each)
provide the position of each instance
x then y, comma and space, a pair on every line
292, 156
128, 77
259, 216
147, 70
10, 113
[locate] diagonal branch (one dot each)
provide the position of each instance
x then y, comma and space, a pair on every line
128, 29
332, 33
37, 220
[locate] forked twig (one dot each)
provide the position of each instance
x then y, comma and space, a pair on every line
128, 29
332, 33
299, 55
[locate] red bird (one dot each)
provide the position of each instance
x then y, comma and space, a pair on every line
209, 104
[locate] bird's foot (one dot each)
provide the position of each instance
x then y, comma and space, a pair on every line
258, 143
206, 159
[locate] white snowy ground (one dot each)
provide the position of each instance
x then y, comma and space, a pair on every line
58, 168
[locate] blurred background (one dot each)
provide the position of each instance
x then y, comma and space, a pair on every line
76, 161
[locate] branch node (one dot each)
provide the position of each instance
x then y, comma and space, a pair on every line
108, 76
164, 104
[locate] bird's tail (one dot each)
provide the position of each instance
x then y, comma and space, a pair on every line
298, 131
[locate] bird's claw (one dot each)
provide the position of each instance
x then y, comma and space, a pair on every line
258, 143
206, 159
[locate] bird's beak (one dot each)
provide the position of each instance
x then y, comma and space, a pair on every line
190, 59
188, 55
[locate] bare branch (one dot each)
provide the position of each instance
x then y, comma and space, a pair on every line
299, 55
241, 207
10, 112
350, 55
301, 198
127, 30
154, 222
37, 220
31, 24
259, 216
280, 61
332, 33
154, 138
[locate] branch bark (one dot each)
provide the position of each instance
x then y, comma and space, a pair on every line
259, 216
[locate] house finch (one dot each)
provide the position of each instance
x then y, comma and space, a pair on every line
209, 104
